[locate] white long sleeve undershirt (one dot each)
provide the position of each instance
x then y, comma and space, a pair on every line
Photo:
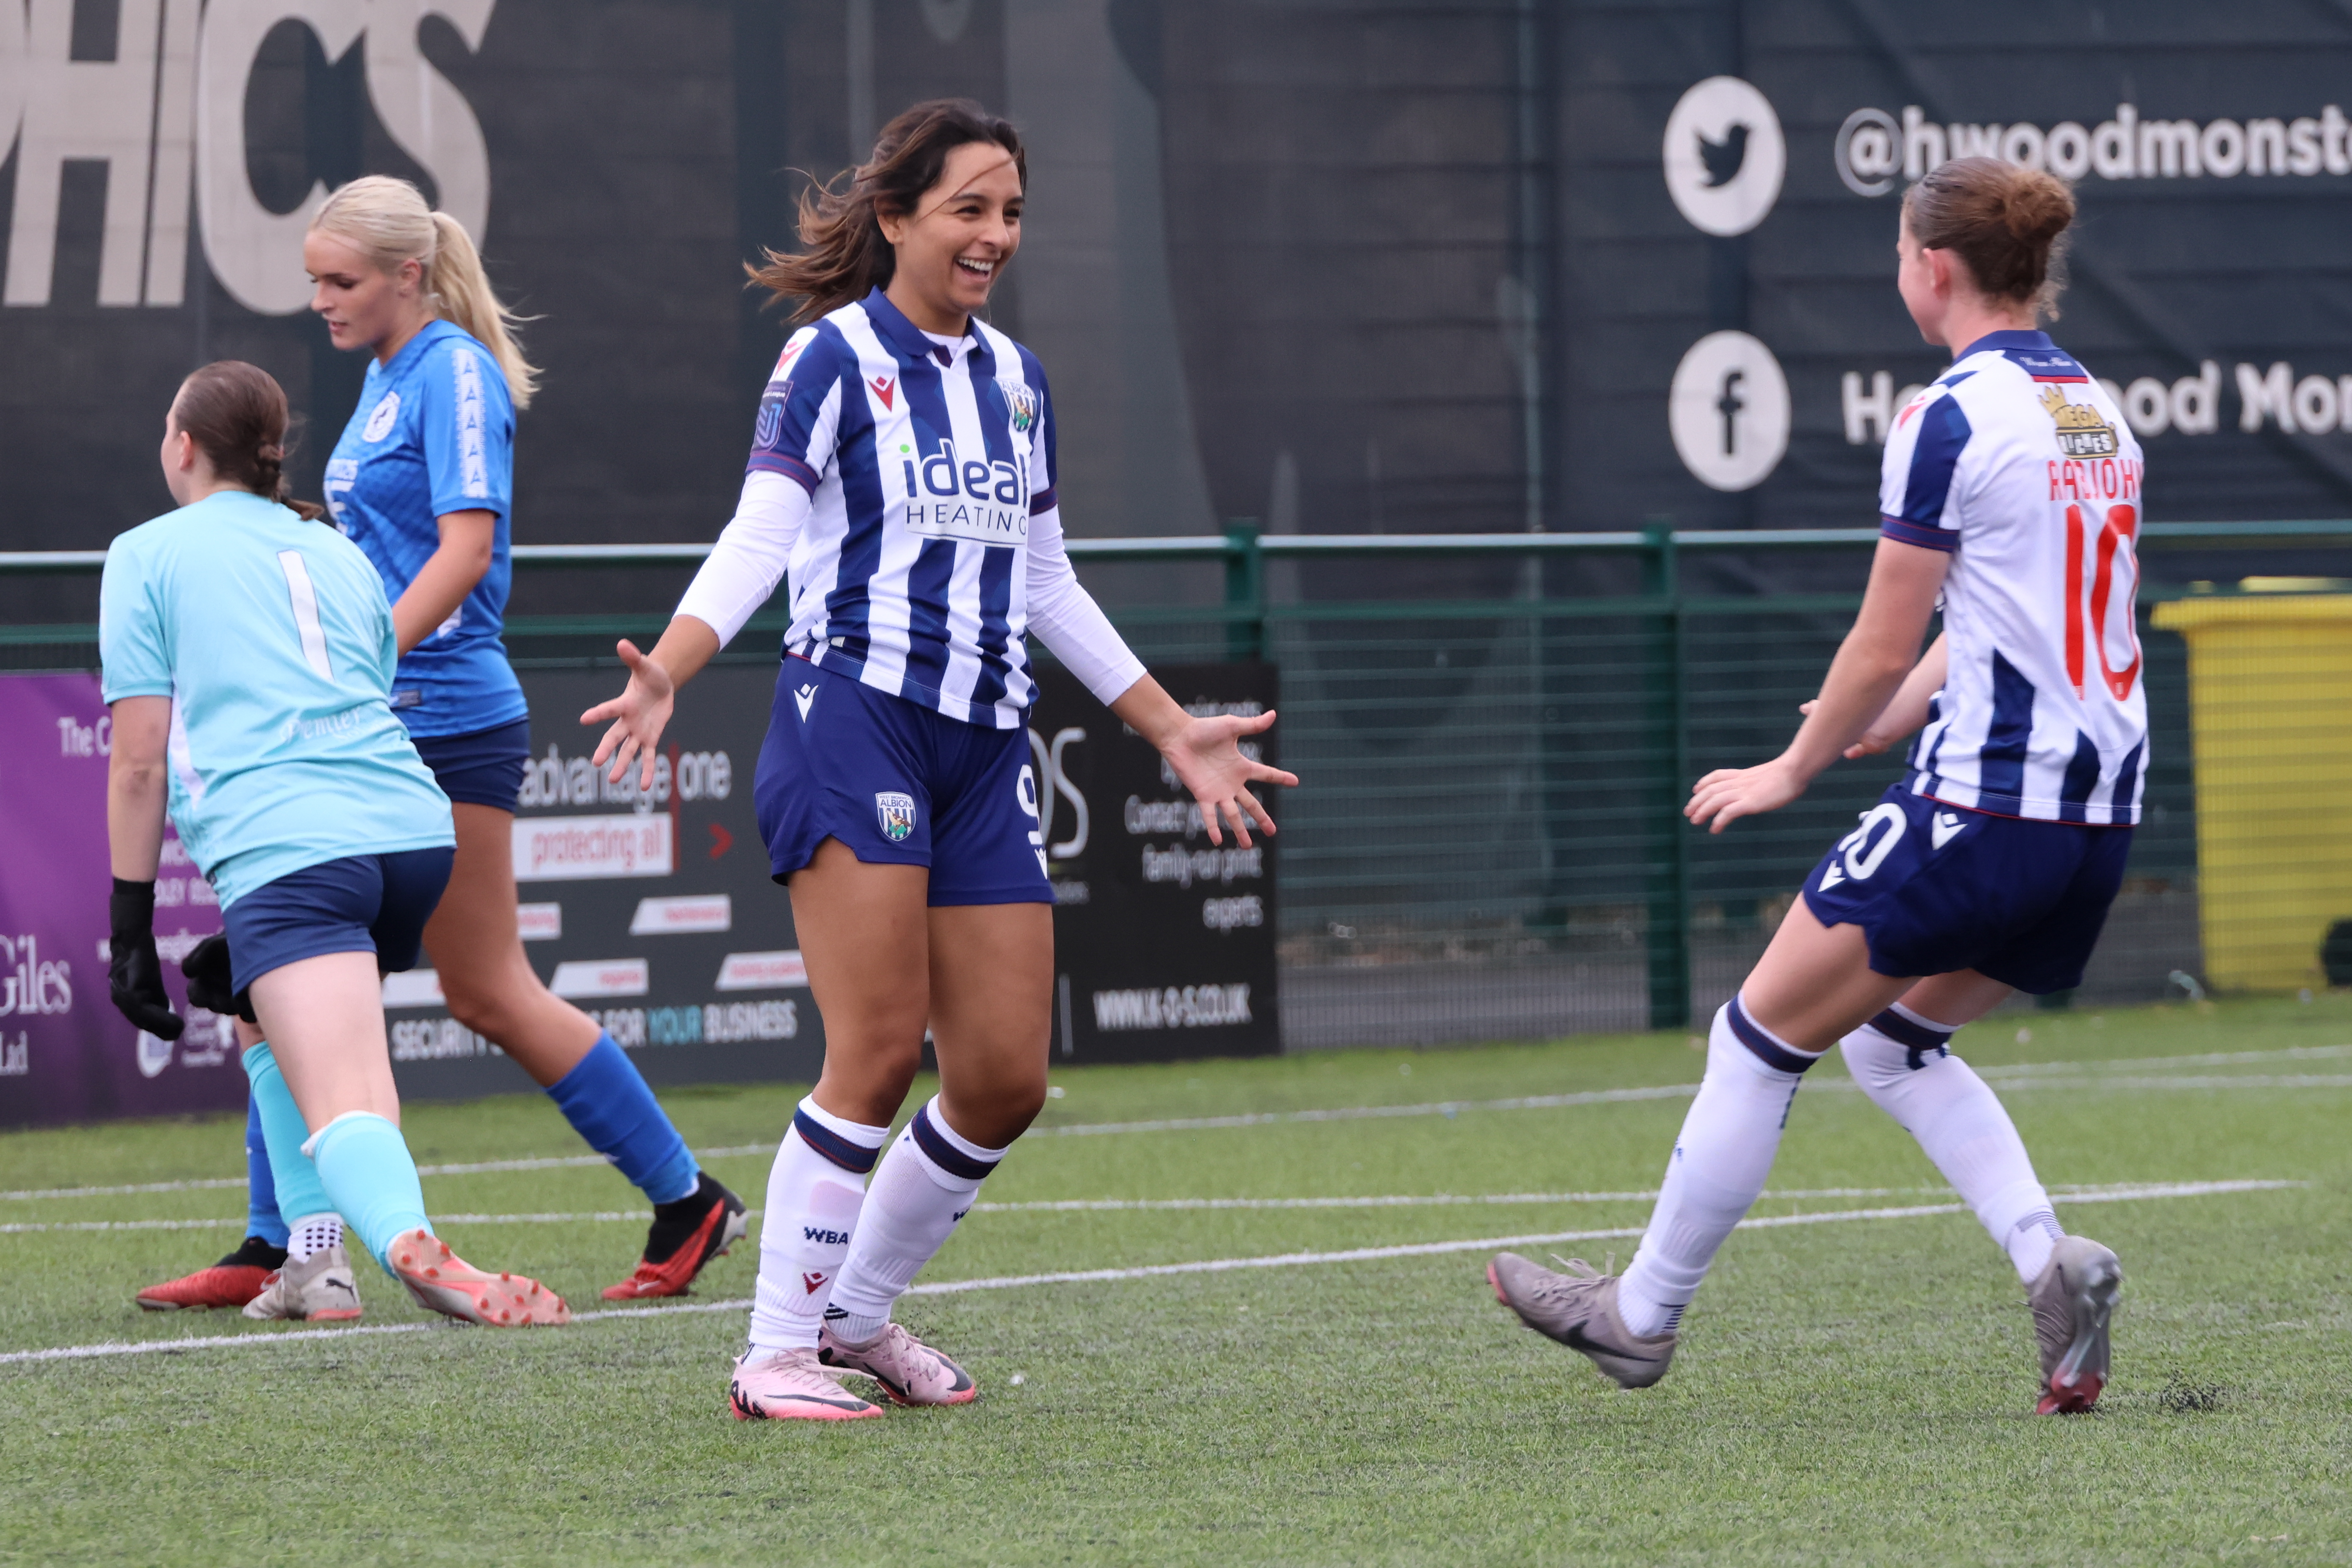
755, 548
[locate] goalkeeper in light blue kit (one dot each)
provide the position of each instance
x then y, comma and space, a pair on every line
248, 657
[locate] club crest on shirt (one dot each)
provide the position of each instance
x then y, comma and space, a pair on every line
1022, 399
381, 419
2083, 431
898, 814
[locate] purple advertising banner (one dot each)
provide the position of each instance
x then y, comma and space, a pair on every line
66, 1055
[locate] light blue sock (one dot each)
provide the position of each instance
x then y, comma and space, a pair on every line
295, 1180
261, 1216
607, 1101
371, 1180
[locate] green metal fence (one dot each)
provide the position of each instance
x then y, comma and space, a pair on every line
1494, 735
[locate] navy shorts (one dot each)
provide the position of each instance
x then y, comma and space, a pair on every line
484, 768
900, 784
1935, 888
364, 904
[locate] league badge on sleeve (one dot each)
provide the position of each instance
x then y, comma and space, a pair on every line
898, 814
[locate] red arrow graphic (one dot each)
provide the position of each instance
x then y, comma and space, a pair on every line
722, 841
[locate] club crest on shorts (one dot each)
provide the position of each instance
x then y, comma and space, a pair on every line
898, 814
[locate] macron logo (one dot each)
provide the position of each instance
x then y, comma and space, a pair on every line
811, 1283
805, 698
1946, 826
884, 388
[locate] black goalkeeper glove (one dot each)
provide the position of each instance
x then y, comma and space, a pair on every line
134, 974
209, 977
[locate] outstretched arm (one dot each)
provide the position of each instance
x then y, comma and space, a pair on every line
1205, 753
744, 566
1872, 665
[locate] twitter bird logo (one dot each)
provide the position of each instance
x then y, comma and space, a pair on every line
1723, 158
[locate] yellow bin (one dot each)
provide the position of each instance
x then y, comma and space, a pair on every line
2270, 690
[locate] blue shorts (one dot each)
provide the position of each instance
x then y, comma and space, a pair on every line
1935, 888
364, 904
900, 784
484, 768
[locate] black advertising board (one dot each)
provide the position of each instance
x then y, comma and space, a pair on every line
1164, 942
652, 910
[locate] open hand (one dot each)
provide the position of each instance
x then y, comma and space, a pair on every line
639, 714
1207, 758
1728, 794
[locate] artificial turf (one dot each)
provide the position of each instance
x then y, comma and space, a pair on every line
1851, 1391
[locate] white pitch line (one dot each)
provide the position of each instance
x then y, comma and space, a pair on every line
2020, 1075
1154, 1270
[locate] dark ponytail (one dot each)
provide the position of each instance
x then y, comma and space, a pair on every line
840, 223
236, 415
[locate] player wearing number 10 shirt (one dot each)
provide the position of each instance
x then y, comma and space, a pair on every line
2011, 491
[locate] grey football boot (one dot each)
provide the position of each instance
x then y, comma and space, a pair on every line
2074, 1299
1579, 1309
320, 1289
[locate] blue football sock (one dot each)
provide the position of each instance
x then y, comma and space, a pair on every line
261, 1216
607, 1101
365, 1167
294, 1179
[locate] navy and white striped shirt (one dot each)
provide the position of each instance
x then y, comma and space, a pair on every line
925, 464
2021, 464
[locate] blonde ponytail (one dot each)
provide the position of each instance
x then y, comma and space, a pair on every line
390, 224
462, 289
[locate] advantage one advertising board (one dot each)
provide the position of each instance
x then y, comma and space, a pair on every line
651, 909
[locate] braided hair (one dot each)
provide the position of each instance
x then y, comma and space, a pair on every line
236, 415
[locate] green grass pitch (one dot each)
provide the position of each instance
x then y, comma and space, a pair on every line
1854, 1389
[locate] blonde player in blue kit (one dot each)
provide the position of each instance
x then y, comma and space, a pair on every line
902, 472
423, 480
248, 656
2013, 488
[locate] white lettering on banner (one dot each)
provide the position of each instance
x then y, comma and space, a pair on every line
2191, 405
31, 987
539, 922
1191, 1007
713, 1023
682, 916
414, 988
1232, 914
571, 849
555, 779
602, 978
166, 116
62, 108
1872, 150
77, 739
1185, 867
436, 1040
762, 972
15, 1055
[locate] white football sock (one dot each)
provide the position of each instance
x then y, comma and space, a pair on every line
1721, 1157
815, 1190
1903, 1064
926, 1182
312, 1233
